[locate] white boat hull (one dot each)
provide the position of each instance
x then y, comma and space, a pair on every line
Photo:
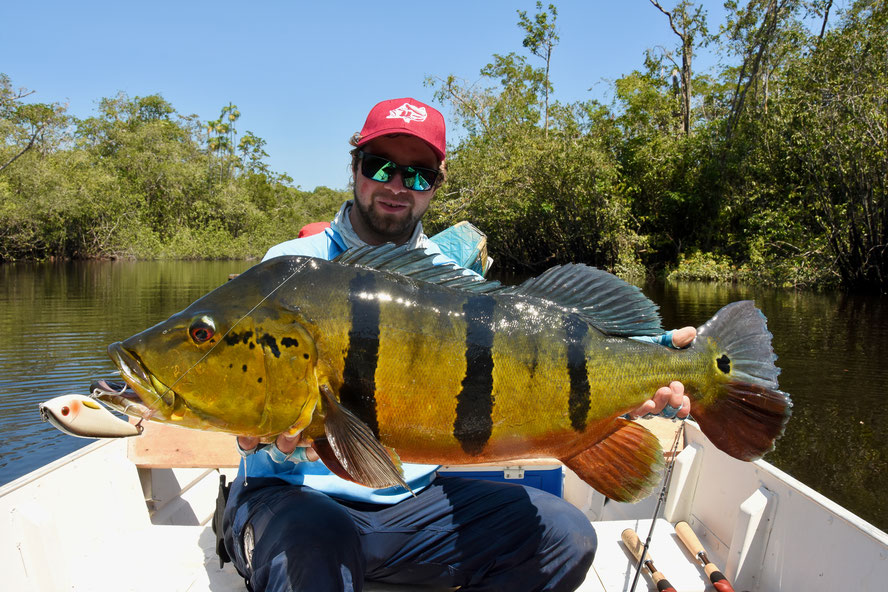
95, 521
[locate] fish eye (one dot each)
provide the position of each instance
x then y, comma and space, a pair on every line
202, 330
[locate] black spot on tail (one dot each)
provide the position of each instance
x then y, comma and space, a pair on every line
358, 392
474, 404
724, 364
579, 400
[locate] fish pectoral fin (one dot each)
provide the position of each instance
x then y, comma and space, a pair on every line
351, 450
625, 466
328, 456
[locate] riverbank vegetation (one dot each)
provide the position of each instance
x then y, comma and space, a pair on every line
139, 180
771, 167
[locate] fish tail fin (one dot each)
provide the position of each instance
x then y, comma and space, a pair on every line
746, 413
625, 465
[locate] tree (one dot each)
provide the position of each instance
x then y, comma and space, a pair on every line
541, 38
543, 193
837, 142
687, 22
765, 34
222, 144
26, 125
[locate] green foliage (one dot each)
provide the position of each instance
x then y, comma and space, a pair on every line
773, 168
540, 199
138, 180
836, 143
698, 266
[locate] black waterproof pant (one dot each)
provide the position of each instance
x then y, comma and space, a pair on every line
476, 534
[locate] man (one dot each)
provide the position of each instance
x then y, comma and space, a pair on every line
290, 524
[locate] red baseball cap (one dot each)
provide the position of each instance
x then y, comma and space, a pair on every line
405, 116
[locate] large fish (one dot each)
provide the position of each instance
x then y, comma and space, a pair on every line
379, 351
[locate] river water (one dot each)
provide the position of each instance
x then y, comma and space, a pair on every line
57, 319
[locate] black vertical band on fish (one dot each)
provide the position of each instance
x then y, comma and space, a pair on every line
580, 398
358, 392
474, 403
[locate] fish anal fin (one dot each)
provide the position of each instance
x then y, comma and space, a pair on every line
625, 466
358, 455
745, 420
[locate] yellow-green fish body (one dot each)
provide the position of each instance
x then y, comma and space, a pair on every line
445, 369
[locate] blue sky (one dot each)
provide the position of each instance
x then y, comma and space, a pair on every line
304, 74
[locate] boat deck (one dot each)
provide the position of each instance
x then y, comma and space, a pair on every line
96, 521
183, 558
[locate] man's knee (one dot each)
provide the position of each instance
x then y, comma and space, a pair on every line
299, 539
567, 528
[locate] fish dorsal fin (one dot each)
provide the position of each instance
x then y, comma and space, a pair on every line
416, 264
609, 303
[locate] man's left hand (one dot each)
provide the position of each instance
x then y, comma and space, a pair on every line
670, 398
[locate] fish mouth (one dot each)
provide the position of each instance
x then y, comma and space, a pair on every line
152, 393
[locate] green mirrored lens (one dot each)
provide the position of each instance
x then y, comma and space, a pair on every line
415, 180
376, 168
385, 172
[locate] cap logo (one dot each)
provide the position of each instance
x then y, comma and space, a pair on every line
408, 113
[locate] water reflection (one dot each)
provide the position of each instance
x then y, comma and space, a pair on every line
832, 350
57, 320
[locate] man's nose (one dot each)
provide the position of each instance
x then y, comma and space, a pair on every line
396, 182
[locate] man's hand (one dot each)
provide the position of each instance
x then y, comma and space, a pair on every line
669, 398
286, 443
672, 397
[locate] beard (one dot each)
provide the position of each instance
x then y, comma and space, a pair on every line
386, 225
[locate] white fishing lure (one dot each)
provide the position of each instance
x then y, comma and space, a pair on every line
84, 417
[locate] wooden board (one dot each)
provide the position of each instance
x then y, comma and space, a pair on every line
163, 446
664, 429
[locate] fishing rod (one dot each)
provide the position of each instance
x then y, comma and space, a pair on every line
633, 543
667, 479
693, 544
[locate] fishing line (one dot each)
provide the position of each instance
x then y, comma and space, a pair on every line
98, 392
667, 479
230, 329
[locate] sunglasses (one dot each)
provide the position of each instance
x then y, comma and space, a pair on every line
382, 170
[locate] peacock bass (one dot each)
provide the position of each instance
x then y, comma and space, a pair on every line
379, 356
